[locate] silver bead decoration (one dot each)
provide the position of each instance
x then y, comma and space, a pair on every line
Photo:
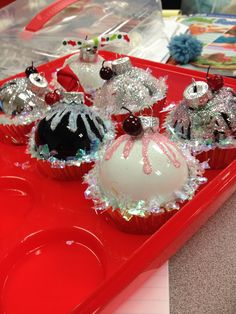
197, 94
70, 97
120, 66
149, 122
37, 83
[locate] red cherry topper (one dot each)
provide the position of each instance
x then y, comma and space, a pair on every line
214, 81
52, 97
132, 125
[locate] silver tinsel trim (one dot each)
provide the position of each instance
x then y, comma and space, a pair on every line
20, 104
143, 208
133, 88
207, 127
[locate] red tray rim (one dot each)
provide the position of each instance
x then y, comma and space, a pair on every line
171, 236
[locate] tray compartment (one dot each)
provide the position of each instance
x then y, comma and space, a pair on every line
47, 266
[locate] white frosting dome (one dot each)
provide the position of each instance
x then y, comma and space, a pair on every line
131, 175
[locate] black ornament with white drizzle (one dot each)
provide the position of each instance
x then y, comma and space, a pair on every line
205, 118
167, 171
70, 131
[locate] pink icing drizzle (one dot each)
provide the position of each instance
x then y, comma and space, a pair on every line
114, 147
168, 151
159, 139
147, 168
128, 147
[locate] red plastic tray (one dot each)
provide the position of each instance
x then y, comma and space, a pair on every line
58, 256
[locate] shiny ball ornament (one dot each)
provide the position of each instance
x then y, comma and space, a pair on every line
86, 64
144, 175
204, 119
130, 87
151, 161
30, 70
69, 129
22, 99
106, 72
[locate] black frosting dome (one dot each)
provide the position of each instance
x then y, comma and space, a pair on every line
70, 129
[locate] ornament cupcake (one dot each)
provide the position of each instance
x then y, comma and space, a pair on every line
22, 104
142, 177
126, 84
81, 71
66, 141
205, 120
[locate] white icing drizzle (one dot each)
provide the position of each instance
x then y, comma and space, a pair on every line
60, 111
90, 133
98, 125
74, 110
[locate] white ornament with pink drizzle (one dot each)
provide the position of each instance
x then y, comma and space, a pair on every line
143, 175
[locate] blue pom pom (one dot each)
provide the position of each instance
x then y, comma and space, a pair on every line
184, 48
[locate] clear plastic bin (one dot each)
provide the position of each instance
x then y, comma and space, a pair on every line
34, 30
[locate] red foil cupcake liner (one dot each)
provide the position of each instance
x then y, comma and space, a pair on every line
15, 134
154, 111
218, 158
138, 225
67, 173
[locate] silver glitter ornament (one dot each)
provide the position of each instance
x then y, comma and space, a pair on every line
131, 87
206, 126
22, 100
